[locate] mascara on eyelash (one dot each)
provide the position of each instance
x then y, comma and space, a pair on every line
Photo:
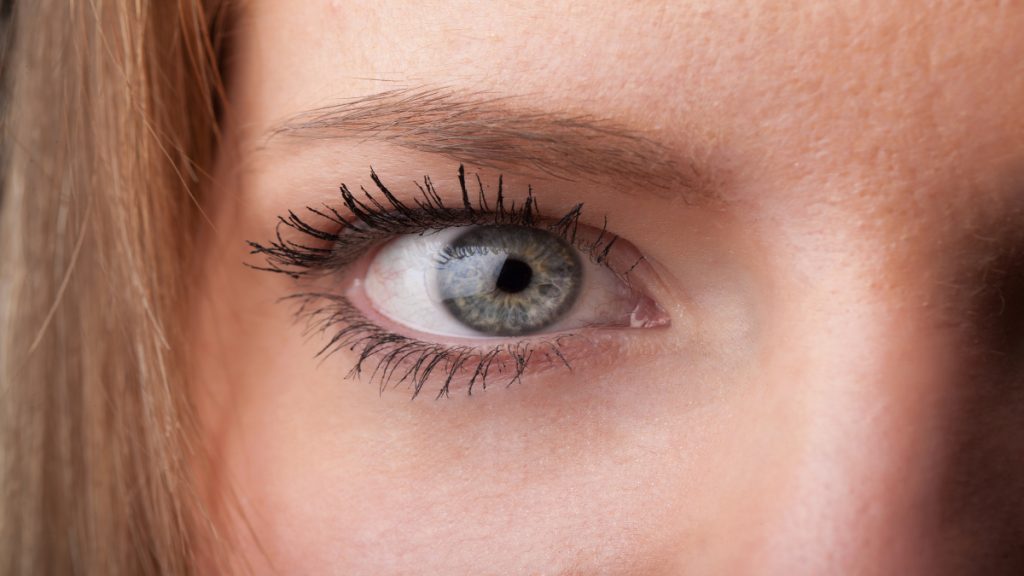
401, 359
344, 240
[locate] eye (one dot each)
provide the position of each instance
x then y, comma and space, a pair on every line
497, 281
457, 292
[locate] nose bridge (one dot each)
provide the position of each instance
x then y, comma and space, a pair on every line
866, 450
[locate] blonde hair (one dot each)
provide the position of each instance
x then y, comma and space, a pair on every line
109, 128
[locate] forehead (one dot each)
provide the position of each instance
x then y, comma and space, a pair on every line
838, 103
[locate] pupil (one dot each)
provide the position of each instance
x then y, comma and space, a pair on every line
515, 276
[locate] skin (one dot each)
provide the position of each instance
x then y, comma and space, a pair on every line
841, 387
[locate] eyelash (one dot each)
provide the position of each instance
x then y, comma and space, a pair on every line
343, 241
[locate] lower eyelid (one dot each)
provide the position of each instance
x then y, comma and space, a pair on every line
391, 360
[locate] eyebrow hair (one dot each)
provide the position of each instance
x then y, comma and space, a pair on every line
498, 132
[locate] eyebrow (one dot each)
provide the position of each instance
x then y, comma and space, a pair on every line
500, 132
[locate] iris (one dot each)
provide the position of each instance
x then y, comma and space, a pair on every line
505, 280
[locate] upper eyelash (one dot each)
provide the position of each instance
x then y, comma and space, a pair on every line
345, 239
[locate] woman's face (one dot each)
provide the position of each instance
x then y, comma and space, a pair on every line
803, 353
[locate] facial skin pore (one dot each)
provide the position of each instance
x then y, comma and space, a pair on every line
840, 390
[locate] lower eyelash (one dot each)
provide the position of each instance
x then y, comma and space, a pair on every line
400, 359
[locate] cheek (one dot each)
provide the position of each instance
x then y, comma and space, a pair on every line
332, 475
